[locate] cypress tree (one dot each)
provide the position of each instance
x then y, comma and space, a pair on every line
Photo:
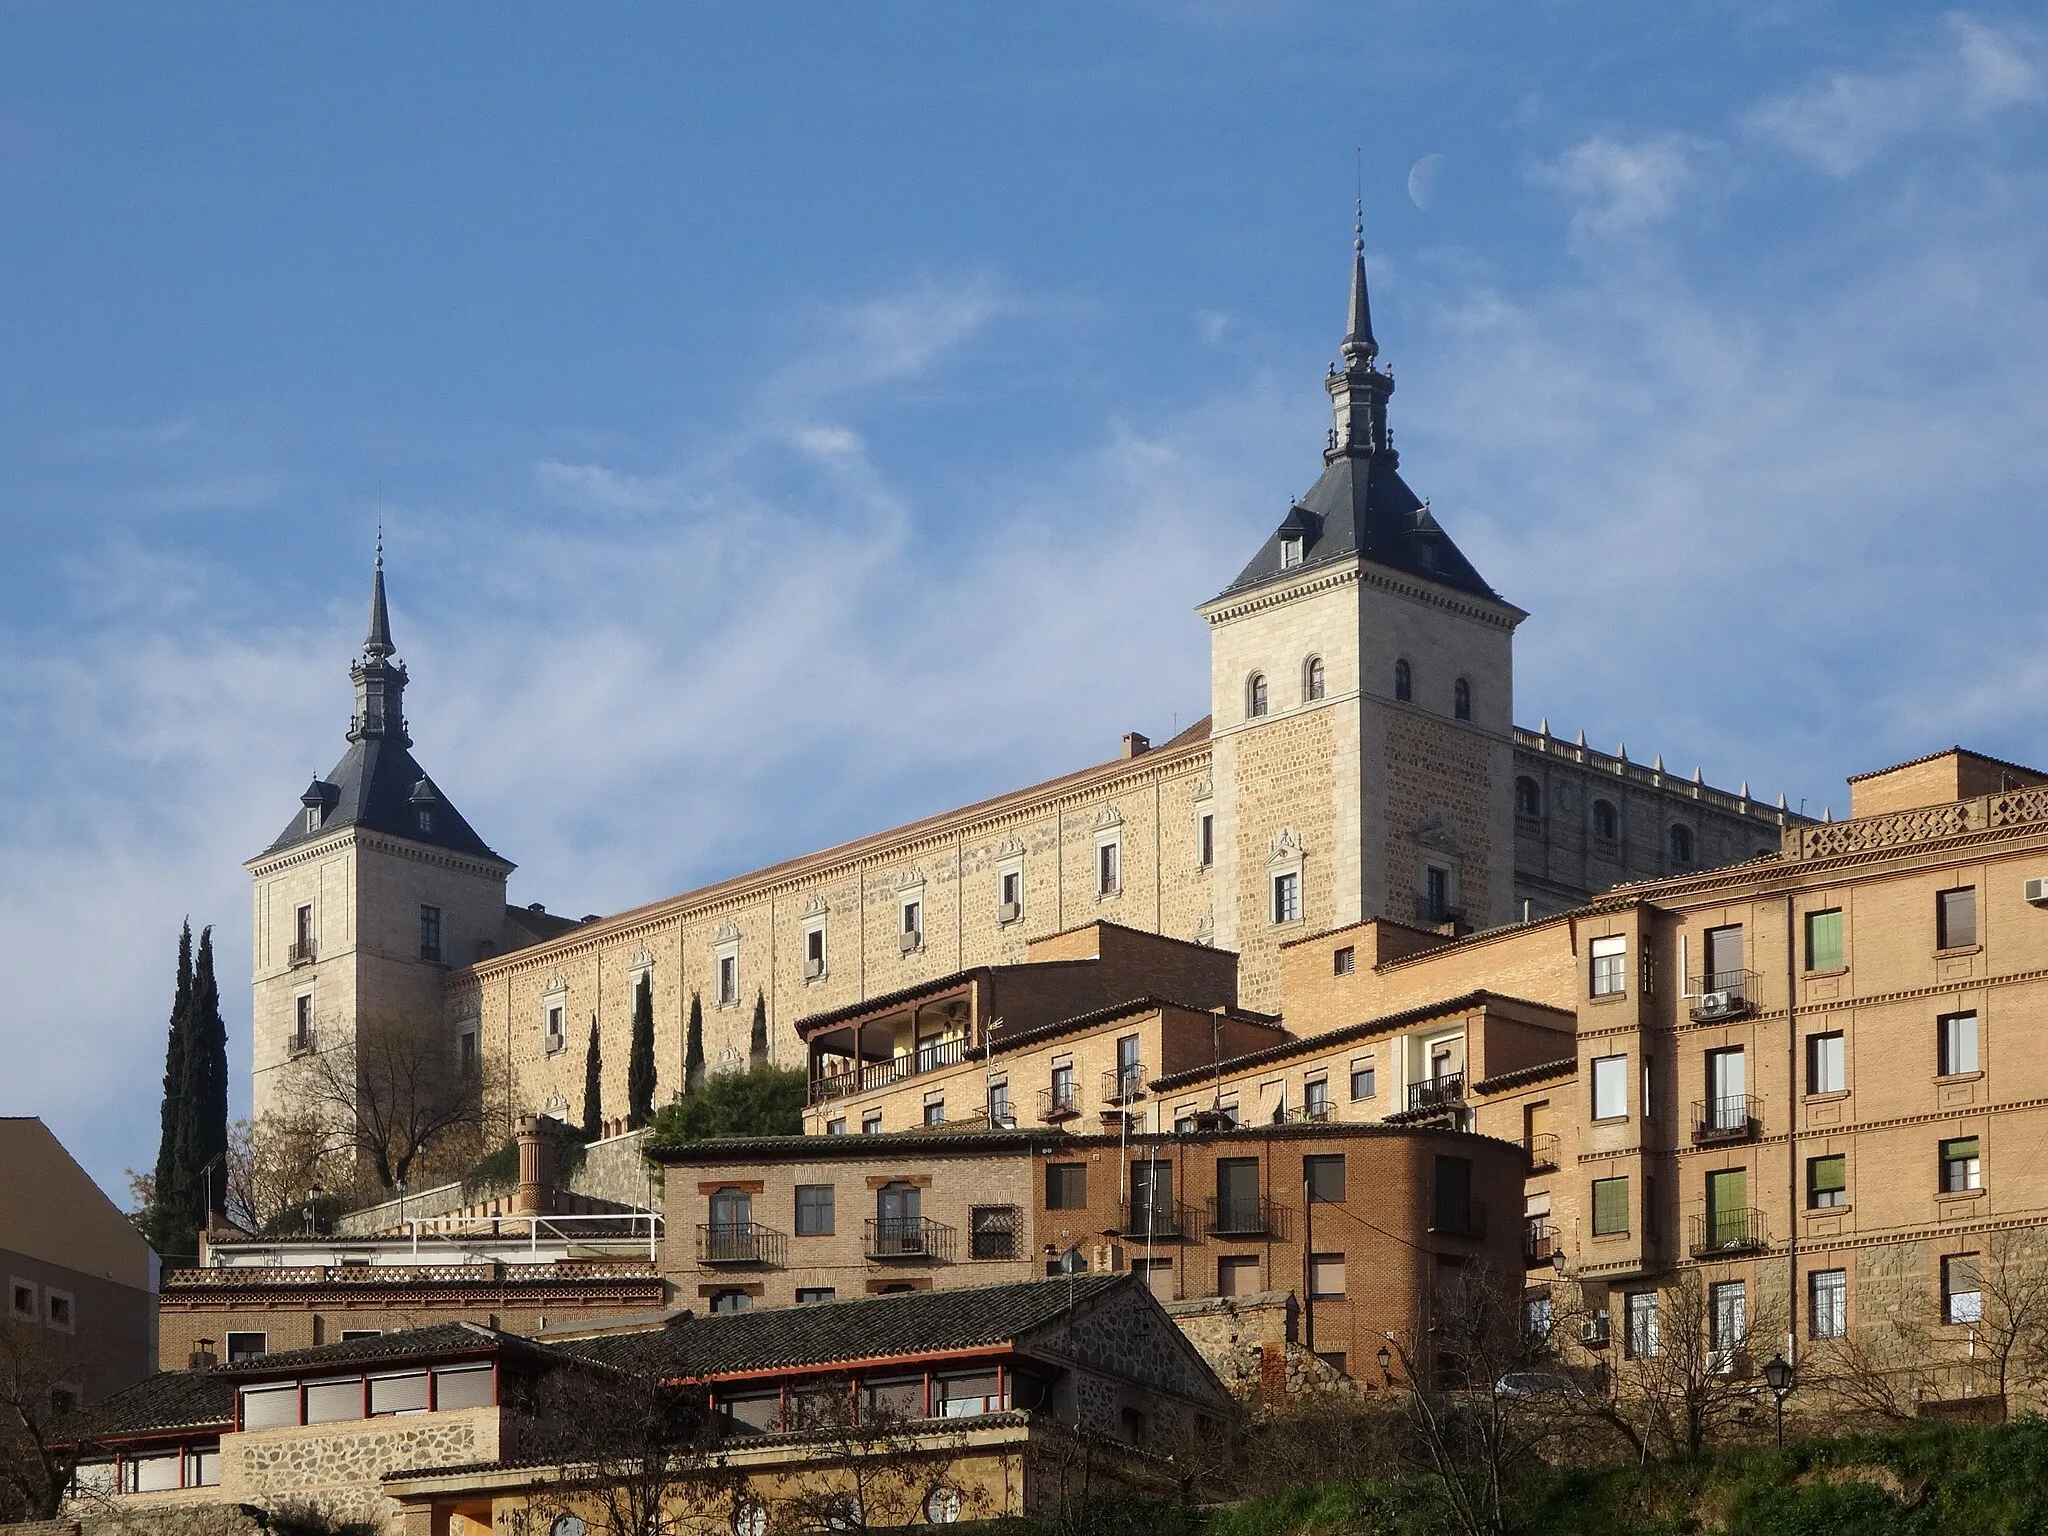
640, 1064
171, 1169
593, 1088
206, 1098
693, 1056
757, 1046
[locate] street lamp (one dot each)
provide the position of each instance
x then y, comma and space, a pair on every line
1780, 1378
1386, 1362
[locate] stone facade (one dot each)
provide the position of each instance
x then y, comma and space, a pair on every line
337, 1469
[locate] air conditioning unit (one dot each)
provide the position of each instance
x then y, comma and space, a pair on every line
2037, 892
1714, 1004
906, 942
813, 969
1593, 1330
1010, 911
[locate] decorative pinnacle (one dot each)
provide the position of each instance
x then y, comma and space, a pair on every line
377, 645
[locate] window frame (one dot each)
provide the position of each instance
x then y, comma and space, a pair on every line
1640, 1332
1827, 1303
1820, 1046
1603, 811
1957, 1267
1404, 681
1680, 843
1319, 1267
1616, 1072
1286, 890
1961, 1163
1816, 952
1818, 1190
1530, 805
804, 1210
1258, 696
1315, 680
1369, 1070
1949, 905
1461, 699
430, 933
1607, 965
1960, 1050
1622, 1192
1072, 1181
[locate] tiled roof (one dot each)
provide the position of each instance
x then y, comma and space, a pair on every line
169, 1400
719, 1149
372, 787
864, 1328
1500, 1082
410, 1344
1010, 1041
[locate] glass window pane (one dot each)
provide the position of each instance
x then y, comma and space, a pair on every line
270, 1407
463, 1387
1824, 940
1610, 1087
399, 1394
154, 1474
1610, 1206
329, 1402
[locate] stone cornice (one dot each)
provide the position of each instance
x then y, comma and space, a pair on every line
1227, 608
374, 842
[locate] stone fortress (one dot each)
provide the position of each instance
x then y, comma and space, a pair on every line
1360, 759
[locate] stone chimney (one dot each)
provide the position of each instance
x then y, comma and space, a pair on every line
1136, 744
536, 1195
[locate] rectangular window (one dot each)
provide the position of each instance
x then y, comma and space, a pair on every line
1827, 1066
398, 1394
913, 922
999, 1104
1958, 1044
1362, 1085
1536, 1317
1287, 898
1066, 1186
1011, 894
1454, 1195
1728, 1318
1324, 1178
1205, 840
1961, 1166
994, 1231
871, 1123
1065, 1097
814, 953
814, 1209
1610, 1207
1437, 893
1827, 1303
1106, 873
332, 1402
1827, 1182
430, 932
812, 1295
247, 1346
1962, 1294
361, 1333
935, 1112
463, 1386
1610, 966
1325, 1275
62, 1310
1315, 1098
270, 1407
728, 980
1956, 918
1237, 1275
302, 929
22, 1299
1640, 1340
1824, 940
302, 1022
1344, 961
1610, 1087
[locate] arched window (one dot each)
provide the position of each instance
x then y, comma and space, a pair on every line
1312, 679
1461, 699
1605, 823
1404, 682
1681, 844
1255, 695
1528, 797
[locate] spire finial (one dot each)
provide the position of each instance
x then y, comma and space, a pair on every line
1358, 338
377, 644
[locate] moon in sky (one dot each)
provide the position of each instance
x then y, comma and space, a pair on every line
1422, 177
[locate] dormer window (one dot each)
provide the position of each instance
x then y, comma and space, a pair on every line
1290, 552
312, 818
426, 819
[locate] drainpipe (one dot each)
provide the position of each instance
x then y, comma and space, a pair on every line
1791, 1131
1308, 1243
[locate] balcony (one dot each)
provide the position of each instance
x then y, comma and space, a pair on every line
1309, 1114
1434, 914
913, 1239
930, 1056
1734, 1231
1539, 1242
934, 1054
300, 952
744, 1242
1722, 995
1543, 1151
1459, 1218
1060, 1102
1251, 1216
1729, 1119
1123, 1084
1444, 1092
1139, 1219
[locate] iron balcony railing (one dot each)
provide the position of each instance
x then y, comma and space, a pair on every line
1062, 1101
1543, 1150
1244, 1216
1723, 994
1310, 1114
1122, 1084
301, 952
1459, 1218
741, 1242
1539, 1241
910, 1237
1437, 1092
1738, 1230
1139, 1219
867, 1076
934, 1054
1427, 911
1734, 1118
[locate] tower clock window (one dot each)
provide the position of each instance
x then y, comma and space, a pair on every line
1461, 699
1255, 696
1404, 681
1312, 679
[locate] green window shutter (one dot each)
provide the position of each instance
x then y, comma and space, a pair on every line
1610, 1206
1830, 1174
1824, 940
1965, 1147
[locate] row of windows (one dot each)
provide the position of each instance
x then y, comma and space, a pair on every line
304, 950
898, 1213
1606, 821
29, 1303
1258, 693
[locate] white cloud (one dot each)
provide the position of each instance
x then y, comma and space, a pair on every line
1843, 120
1620, 186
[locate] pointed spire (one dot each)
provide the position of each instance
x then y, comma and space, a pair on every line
1358, 337
1544, 728
1660, 762
378, 643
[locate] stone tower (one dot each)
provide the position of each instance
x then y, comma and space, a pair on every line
1362, 686
374, 889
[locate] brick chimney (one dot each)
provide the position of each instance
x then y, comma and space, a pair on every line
536, 1196
1136, 744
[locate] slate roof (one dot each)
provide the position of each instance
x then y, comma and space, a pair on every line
371, 787
1361, 506
167, 1401
862, 1328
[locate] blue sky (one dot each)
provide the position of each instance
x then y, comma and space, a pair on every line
787, 420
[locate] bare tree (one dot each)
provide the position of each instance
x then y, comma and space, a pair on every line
637, 1455
394, 1094
1687, 1377
44, 1376
869, 1463
1881, 1369
2009, 1337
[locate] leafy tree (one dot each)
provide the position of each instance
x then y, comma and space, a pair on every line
593, 1088
757, 1046
693, 1057
762, 1101
640, 1063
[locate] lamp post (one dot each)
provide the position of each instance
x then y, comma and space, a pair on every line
1780, 1378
